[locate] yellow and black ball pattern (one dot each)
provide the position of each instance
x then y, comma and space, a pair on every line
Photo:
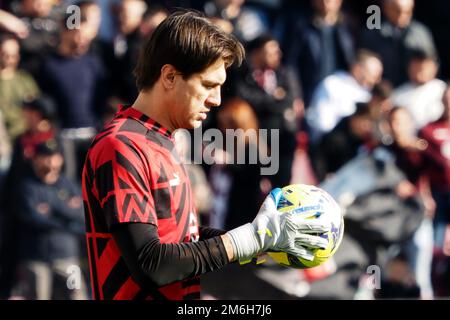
307, 197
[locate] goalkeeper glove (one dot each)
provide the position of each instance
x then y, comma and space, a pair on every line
274, 231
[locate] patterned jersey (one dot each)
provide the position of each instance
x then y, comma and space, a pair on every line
132, 174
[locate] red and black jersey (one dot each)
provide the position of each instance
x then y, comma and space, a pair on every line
132, 174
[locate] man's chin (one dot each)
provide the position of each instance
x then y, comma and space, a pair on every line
192, 124
196, 124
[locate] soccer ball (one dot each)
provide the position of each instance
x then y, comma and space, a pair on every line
302, 196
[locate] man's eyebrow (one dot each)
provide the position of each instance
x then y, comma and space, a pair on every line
212, 82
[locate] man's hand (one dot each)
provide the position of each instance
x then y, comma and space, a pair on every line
271, 230
13, 24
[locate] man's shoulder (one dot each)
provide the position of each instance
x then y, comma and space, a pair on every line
338, 78
437, 84
126, 134
29, 184
404, 89
24, 75
418, 27
110, 135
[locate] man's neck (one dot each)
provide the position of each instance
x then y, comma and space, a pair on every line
328, 19
64, 50
50, 178
151, 104
7, 73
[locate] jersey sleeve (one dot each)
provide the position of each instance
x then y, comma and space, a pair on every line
122, 181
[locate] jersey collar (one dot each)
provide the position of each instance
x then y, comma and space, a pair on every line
128, 111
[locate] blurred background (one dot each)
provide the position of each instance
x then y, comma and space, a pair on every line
357, 90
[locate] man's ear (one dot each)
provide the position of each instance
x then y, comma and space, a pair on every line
168, 76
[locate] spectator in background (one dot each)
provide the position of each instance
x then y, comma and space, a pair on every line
50, 212
236, 186
407, 149
422, 94
16, 85
437, 162
92, 16
42, 20
320, 46
152, 18
344, 142
398, 36
38, 115
336, 96
129, 14
380, 104
437, 157
75, 79
273, 92
247, 22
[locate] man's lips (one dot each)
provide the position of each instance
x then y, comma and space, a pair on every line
203, 114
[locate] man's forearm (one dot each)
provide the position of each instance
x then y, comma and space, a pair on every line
160, 264
228, 246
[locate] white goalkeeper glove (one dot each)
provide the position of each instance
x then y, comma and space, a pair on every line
274, 231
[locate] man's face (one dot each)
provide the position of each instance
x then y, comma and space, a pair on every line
271, 54
401, 123
47, 164
31, 117
193, 97
370, 72
9, 54
77, 40
37, 8
422, 71
324, 7
130, 15
399, 12
377, 106
93, 16
149, 24
362, 126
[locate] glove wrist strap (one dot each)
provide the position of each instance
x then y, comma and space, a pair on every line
245, 242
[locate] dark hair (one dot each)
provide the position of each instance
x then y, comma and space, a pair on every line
259, 42
190, 43
47, 148
382, 90
7, 36
362, 109
153, 10
44, 105
422, 55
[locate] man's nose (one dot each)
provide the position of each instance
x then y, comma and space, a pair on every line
214, 99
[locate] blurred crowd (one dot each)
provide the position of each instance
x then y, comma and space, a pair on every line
362, 109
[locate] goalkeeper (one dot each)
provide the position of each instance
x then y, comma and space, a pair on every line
143, 238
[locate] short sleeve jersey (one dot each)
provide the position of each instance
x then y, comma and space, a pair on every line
132, 175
